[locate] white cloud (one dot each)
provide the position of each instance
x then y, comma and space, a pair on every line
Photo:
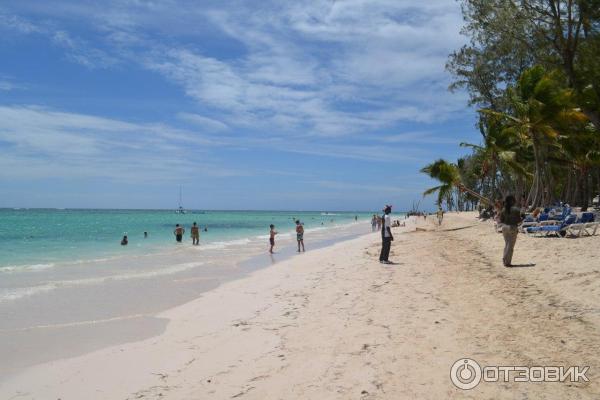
43, 143
81, 52
17, 24
208, 124
6, 86
316, 67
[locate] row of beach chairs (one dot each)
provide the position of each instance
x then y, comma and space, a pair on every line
562, 223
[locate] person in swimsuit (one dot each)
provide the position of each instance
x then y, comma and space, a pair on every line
124, 241
300, 235
178, 232
272, 234
195, 233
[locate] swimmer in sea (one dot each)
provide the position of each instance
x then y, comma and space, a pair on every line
178, 232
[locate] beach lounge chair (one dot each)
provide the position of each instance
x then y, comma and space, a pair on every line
530, 222
575, 230
559, 229
586, 217
590, 228
578, 228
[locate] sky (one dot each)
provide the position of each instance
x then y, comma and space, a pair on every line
282, 105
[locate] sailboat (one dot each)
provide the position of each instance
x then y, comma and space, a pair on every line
180, 210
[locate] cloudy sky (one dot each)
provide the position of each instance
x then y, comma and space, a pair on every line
245, 104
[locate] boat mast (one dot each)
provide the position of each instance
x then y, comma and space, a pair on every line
180, 205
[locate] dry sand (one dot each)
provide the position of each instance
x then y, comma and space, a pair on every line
335, 324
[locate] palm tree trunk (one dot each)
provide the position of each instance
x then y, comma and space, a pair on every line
537, 189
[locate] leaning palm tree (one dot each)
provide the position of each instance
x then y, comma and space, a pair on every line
447, 174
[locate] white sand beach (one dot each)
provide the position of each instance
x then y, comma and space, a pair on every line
334, 323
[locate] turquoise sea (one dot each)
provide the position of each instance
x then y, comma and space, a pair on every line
38, 238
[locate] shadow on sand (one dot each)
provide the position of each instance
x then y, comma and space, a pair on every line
522, 265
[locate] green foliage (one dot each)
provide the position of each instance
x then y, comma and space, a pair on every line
447, 174
533, 67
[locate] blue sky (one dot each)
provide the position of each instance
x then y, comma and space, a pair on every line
306, 105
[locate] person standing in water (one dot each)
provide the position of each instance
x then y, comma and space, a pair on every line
300, 235
195, 234
178, 232
510, 218
124, 241
386, 236
272, 234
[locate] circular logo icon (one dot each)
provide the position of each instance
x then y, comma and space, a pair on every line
465, 374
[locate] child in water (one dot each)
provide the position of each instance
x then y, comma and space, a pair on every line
272, 234
300, 235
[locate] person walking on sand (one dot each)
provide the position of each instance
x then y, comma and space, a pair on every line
374, 223
272, 234
300, 235
195, 234
440, 215
386, 236
178, 232
510, 218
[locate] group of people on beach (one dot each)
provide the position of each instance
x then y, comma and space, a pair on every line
179, 231
299, 236
376, 223
508, 215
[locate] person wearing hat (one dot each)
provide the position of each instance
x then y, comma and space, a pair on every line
386, 235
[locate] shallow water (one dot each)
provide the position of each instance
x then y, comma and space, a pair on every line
41, 238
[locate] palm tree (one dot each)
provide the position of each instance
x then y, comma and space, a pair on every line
539, 105
447, 174
500, 148
581, 153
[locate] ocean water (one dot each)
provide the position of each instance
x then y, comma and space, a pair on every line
42, 238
